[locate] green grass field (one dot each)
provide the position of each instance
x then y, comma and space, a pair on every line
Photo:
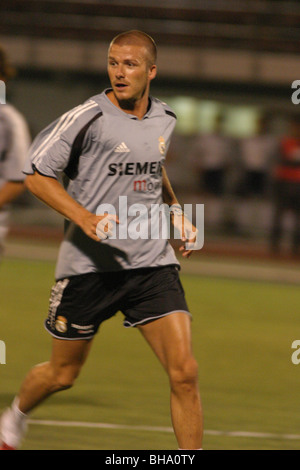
242, 333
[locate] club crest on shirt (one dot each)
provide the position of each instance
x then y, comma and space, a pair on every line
61, 324
162, 145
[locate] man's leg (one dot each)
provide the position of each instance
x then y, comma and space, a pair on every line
280, 205
58, 374
42, 381
276, 227
170, 339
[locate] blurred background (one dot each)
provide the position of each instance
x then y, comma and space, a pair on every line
226, 68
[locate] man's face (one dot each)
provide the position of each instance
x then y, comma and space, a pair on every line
129, 73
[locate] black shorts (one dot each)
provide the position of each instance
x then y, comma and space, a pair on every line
79, 304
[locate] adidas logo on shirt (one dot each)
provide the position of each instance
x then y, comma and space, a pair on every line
122, 148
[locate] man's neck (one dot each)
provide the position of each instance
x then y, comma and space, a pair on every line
139, 108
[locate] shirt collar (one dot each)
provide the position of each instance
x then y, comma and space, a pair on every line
131, 116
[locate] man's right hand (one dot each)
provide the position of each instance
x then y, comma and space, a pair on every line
99, 227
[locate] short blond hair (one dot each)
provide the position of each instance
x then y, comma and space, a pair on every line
139, 38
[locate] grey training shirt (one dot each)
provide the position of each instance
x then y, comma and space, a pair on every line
14, 145
119, 163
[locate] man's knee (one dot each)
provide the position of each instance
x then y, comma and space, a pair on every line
184, 375
58, 377
64, 380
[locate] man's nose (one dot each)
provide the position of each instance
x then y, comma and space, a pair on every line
120, 71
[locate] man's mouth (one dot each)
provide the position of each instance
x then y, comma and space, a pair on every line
120, 86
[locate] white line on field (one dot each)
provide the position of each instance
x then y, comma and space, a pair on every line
82, 424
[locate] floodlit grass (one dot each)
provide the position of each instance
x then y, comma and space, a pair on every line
242, 336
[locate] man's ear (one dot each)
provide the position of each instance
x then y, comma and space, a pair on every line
152, 72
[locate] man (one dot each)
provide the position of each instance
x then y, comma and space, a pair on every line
286, 187
14, 144
126, 134
213, 159
255, 158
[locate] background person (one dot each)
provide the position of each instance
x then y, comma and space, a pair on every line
14, 145
255, 161
286, 187
213, 156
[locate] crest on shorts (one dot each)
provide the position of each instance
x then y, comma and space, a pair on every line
162, 145
61, 324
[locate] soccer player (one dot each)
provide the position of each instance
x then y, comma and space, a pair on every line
14, 145
113, 145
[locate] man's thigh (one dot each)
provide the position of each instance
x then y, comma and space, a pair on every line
170, 339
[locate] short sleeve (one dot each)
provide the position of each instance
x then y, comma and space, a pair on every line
50, 151
15, 142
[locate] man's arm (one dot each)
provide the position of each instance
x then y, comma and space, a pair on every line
10, 191
51, 192
178, 218
168, 193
